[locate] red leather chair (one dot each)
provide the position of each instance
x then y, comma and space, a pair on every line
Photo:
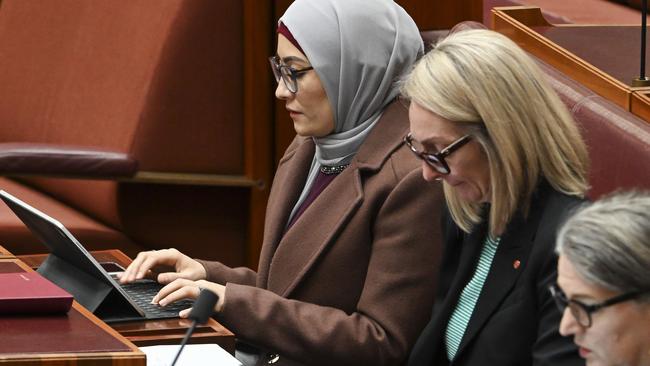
125, 120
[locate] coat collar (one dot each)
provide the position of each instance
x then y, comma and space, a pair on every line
310, 235
291, 175
286, 259
382, 142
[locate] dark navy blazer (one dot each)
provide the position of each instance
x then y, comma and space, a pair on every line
515, 321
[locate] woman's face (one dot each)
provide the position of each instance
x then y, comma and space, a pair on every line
469, 168
619, 334
309, 107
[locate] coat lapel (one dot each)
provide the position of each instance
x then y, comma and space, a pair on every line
290, 177
321, 222
515, 246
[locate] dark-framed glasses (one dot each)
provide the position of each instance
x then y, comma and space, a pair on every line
288, 74
581, 311
436, 160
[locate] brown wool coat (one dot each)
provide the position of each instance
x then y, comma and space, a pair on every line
352, 282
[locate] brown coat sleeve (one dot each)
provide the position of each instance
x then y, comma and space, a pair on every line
218, 272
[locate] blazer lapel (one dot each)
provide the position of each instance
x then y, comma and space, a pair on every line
289, 180
515, 246
468, 257
300, 247
303, 243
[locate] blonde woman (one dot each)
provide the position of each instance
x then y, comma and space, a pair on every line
512, 163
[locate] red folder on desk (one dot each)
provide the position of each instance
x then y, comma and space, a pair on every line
31, 293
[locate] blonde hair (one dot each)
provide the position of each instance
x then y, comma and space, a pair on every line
489, 85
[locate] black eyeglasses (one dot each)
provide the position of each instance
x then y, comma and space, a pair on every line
581, 311
287, 73
436, 160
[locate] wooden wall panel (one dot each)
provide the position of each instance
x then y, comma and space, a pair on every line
442, 14
258, 118
283, 126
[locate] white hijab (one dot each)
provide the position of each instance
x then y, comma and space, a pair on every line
360, 49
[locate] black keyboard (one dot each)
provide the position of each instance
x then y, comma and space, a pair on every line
142, 291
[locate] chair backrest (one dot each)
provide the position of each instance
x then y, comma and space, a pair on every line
618, 141
161, 80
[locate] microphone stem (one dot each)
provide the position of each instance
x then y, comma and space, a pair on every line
188, 334
644, 13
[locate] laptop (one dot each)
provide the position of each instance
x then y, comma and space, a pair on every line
71, 267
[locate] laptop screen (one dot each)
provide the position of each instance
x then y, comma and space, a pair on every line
60, 241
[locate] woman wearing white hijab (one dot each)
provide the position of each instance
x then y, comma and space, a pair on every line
347, 268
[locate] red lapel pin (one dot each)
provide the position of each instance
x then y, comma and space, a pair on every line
516, 264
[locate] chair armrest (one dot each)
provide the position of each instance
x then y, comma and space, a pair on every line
65, 160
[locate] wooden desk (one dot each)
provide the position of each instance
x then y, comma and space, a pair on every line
640, 104
603, 58
4, 253
155, 332
78, 338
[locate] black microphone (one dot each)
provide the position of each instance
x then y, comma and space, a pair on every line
643, 80
201, 311
644, 16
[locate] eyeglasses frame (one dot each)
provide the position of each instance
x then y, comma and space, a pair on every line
291, 85
562, 302
432, 158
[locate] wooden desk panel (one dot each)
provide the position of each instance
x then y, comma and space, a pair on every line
613, 49
603, 58
155, 332
4, 253
172, 331
77, 338
640, 104
11, 265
